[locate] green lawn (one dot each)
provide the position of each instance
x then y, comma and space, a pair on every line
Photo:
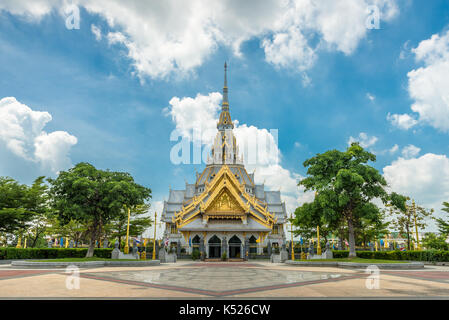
359, 260
82, 260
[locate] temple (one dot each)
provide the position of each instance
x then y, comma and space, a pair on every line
224, 211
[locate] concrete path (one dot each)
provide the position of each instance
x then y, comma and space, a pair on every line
188, 279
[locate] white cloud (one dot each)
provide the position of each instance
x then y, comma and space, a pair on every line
428, 85
21, 131
96, 31
364, 140
425, 179
199, 113
402, 121
289, 49
394, 149
410, 151
173, 38
32, 10
370, 96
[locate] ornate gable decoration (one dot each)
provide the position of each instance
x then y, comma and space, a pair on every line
224, 198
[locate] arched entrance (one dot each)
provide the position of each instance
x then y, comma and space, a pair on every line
196, 243
252, 245
214, 247
235, 247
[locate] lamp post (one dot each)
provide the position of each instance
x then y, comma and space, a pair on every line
126, 249
154, 238
291, 231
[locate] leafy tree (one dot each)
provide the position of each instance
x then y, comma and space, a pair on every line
74, 230
307, 218
346, 185
432, 241
443, 226
138, 223
38, 198
94, 197
406, 215
372, 229
20, 204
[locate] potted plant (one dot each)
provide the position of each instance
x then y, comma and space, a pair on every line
223, 256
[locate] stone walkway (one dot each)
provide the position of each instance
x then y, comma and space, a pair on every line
212, 280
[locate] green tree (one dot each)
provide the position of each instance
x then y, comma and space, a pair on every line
346, 185
307, 218
38, 199
372, 229
406, 214
94, 197
138, 223
433, 241
20, 204
73, 230
443, 226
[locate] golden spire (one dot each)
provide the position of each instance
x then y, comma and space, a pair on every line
225, 121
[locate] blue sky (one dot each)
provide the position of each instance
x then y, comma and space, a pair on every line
118, 107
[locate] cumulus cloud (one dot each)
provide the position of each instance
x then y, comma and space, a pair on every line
199, 113
428, 85
394, 149
21, 132
402, 121
410, 151
425, 179
172, 37
202, 112
364, 140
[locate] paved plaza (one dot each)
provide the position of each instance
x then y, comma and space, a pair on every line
210, 280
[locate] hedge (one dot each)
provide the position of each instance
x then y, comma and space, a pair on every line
50, 253
424, 255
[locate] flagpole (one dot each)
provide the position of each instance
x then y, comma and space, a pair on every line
318, 248
291, 231
126, 249
154, 238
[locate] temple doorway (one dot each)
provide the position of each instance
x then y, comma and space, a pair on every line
252, 245
235, 247
214, 247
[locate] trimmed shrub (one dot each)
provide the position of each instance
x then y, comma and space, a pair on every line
195, 254
425, 255
340, 253
50, 253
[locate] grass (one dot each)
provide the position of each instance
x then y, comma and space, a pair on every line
359, 260
82, 260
